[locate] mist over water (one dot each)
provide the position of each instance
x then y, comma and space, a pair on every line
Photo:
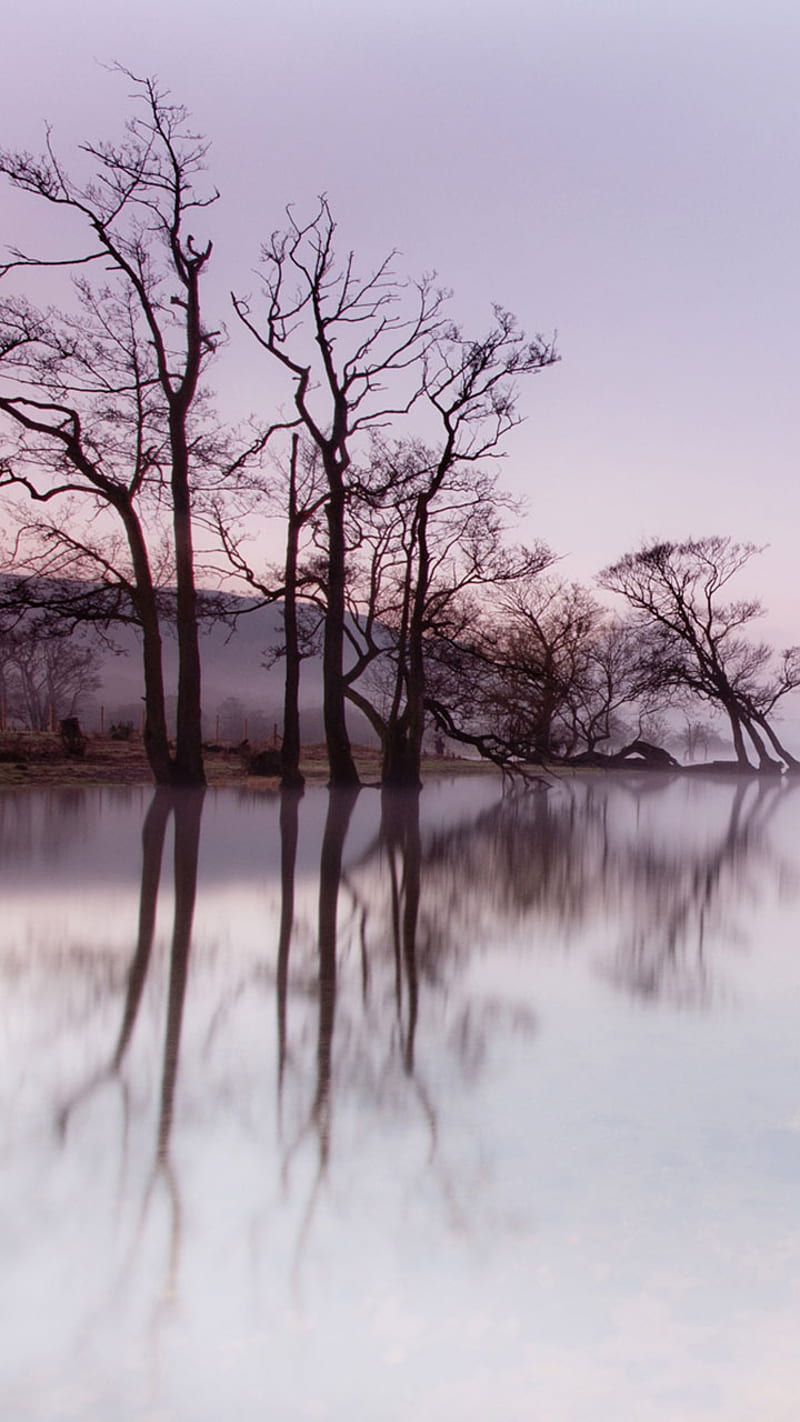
473, 1103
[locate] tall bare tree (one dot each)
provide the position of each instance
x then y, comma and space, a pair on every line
352, 347
102, 403
296, 492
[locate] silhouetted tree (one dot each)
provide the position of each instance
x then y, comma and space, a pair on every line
409, 627
104, 400
352, 349
299, 499
470, 387
540, 647
695, 640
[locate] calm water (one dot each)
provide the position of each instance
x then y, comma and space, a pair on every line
454, 1108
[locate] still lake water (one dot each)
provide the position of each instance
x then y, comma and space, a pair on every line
447, 1108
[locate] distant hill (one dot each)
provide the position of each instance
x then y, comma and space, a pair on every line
237, 685
241, 695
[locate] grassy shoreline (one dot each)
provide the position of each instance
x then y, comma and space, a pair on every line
37, 759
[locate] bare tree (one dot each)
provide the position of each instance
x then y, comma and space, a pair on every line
45, 675
471, 387
105, 399
352, 347
697, 737
544, 645
424, 636
441, 532
545, 671
696, 641
300, 498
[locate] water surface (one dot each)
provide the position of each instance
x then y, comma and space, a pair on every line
453, 1106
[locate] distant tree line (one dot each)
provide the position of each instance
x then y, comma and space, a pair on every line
380, 461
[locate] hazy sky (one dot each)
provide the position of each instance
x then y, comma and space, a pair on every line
623, 171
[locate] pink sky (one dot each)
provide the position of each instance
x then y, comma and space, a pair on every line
625, 173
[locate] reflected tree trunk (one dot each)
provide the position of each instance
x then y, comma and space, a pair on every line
153, 833
401, 835
187, 809
337, 821
289, 815
340, 809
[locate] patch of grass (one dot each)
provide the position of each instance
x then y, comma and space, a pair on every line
37, 758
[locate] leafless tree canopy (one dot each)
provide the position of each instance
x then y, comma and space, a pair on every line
102, 401
696, 639
381, 463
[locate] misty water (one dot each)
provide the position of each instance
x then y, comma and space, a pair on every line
455, 1106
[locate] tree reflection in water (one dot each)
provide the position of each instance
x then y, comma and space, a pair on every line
153, 833
685, 897
553, 863
540, 864
185, 806
379, 1015
289, 827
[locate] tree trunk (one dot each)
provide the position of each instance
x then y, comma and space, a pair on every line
291, 777
401, 757
188, 762
403, 744
156, 739
738, 739
793, 765
766, 764
343, 773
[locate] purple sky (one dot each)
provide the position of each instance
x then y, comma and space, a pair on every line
622, 170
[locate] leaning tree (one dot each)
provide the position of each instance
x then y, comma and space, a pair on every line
696, 640
429, 552
471, 388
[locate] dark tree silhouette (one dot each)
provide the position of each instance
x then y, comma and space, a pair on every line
445, 512
104, 402
696, 640
352, 349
